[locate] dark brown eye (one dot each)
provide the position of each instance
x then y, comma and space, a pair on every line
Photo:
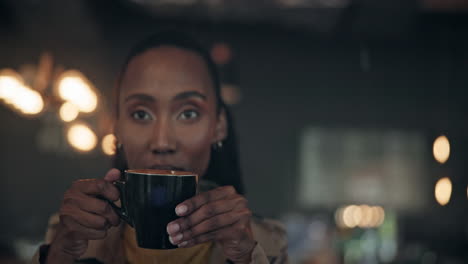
189, 114
141, 115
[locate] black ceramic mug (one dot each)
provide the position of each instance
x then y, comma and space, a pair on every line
149, 198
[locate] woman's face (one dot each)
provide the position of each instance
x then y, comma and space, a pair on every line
167, 111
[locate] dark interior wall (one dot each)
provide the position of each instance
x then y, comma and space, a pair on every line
289, 79
293, 82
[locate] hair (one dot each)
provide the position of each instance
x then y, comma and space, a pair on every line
224, 167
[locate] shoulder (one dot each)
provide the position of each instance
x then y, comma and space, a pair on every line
270, 234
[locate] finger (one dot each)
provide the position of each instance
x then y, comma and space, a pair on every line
97, 187
234, 233
80, 232
218, 222
85, 218
92, 205
207, 211
102, 208
192, 204
75, 248
112, 175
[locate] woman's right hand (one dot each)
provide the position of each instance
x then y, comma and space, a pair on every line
84, 217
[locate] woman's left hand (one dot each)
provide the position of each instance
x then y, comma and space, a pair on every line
219, 215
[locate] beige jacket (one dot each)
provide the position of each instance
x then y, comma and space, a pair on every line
270, 235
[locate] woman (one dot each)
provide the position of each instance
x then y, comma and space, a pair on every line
169, 115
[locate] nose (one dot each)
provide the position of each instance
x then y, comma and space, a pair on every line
163, 137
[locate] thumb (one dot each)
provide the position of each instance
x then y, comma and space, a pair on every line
112, 175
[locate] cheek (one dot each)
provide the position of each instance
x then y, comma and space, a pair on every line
133, 146
196, 144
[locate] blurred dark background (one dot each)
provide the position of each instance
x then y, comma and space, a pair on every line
363, 64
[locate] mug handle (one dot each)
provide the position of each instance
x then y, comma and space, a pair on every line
122, 211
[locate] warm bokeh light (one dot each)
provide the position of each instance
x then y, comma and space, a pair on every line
108, 144
339, 218
373, 217
363, 216
9, 85
28, 101
221, 53
443, 191
74, 87
441, 149
352, 215
366, 216
380, 215
347, 217
356, 214
22, 98
81, 137
231, 94
68, 112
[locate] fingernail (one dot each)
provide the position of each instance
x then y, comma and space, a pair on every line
181, 209
170, 240
172, 228
178, 238
183, 244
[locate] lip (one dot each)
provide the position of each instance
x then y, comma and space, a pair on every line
166, 167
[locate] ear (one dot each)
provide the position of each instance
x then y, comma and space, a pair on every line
221, 132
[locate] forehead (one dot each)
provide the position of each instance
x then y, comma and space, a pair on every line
167, 70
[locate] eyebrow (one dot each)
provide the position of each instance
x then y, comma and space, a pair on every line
185, 95
143, 97
178, 97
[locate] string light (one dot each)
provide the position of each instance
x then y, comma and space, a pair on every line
443, 191
14, 92
10, 83
81, 137
75, 88
441, 149
68, 112
72, 87
363, 216
28, 101
367, 216
108, 144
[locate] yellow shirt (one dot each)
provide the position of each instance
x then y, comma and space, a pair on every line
136, 255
